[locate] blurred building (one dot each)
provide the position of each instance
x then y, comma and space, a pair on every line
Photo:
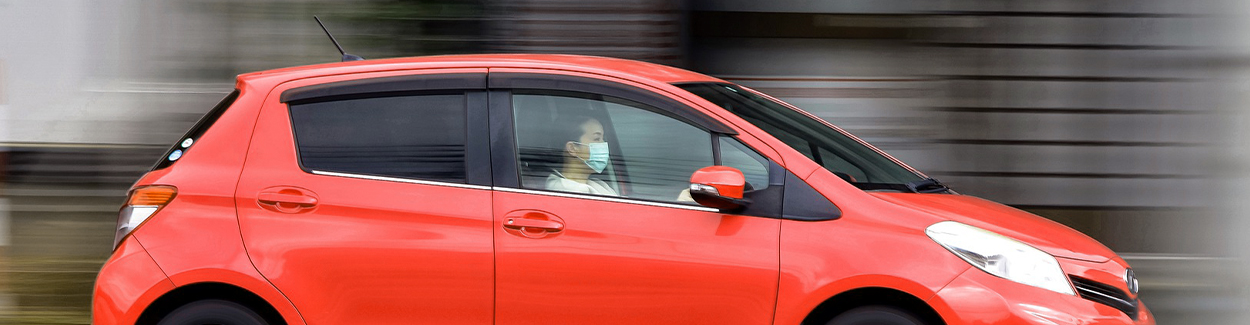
1111, 117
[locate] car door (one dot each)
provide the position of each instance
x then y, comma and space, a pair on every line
637, 252
365, 199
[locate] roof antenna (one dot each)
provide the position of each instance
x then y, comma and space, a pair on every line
346, 57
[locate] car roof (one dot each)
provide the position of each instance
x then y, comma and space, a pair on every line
629, 69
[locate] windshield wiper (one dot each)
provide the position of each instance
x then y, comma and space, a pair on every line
927, 185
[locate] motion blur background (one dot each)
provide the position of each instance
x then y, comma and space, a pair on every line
1122, 119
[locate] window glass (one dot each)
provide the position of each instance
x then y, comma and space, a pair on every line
835, 151
419, 137
592, 144
752, 164
835, 162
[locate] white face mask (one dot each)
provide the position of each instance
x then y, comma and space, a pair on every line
598, 156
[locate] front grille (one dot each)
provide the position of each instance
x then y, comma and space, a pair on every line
1106, 294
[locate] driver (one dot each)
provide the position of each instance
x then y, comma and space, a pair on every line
580, 139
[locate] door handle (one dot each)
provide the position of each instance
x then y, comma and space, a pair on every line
532, 224
287, 199
276, 198
518, 223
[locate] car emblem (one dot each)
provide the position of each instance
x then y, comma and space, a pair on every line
1130, 279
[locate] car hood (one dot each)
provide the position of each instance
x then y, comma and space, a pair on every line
1042, 233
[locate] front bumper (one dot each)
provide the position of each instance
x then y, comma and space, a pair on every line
976, 297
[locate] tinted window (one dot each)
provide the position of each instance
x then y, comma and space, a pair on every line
419, 137
650, 155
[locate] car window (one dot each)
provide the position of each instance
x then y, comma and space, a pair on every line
602, 145
753, 165
417, 136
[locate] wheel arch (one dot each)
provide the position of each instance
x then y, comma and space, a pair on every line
208, 290
871, 296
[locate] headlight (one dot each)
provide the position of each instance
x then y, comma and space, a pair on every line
1001, 256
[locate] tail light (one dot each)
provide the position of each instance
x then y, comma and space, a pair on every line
140, 206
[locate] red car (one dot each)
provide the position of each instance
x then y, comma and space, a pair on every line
554, 189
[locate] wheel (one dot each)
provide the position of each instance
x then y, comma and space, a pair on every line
876, 315
213, 312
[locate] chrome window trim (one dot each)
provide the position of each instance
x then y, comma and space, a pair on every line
518, 190
401, 180
607, 199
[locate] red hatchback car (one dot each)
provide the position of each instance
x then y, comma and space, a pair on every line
554, 189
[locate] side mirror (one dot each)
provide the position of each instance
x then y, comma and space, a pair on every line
718, 187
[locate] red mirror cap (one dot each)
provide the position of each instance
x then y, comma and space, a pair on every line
728, 181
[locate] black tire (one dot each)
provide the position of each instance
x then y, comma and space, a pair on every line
876, 315
213, 312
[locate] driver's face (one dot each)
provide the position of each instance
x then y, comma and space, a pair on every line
592, 131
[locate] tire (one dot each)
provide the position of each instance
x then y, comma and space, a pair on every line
213, 312
876, 315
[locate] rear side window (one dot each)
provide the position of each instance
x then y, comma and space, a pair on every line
188, 140
413, 136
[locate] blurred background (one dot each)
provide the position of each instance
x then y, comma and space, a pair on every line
1122, 119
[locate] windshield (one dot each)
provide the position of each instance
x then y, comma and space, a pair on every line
840, 153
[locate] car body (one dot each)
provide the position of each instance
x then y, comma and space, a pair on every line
277, 203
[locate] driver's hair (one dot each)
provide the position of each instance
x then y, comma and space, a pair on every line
566, 128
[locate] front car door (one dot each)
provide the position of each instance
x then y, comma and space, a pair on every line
621, 242
367, 201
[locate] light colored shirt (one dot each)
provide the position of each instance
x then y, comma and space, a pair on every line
557, 182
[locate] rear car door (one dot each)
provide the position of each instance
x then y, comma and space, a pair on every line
629, 249
365, 199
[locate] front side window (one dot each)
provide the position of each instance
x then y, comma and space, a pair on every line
753, 165
602, 145
415, 136
844, 156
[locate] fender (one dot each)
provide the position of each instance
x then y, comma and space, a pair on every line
253, 283
811, 301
